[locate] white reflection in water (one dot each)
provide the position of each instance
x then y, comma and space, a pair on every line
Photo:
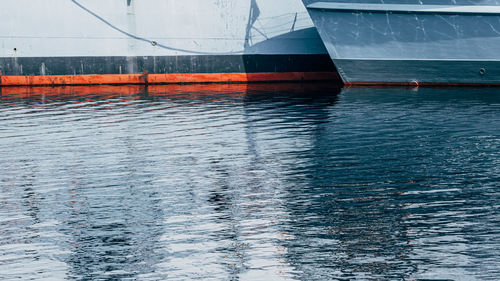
250, 182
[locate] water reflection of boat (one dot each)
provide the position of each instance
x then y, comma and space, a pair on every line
249, 181
155, 41
370, 202
411, 42
189, 92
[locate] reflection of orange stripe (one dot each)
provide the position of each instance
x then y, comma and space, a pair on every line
99, 92
164, 78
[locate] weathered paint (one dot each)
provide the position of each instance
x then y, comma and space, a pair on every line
165, 64
57, 80
167, 69
58, 42
420, 72
406, 9
59, 28
411, 42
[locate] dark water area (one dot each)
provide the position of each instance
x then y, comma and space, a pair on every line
249, 182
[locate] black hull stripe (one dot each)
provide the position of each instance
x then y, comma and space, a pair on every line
40, 66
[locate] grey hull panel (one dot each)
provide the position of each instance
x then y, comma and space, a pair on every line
399, 43
418, 71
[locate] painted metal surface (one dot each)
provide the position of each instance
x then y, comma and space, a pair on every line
122, 37
415, 48
49, 28
151, 79
401, 8
420, 72
165, 64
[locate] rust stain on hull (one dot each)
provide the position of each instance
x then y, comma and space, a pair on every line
114, 79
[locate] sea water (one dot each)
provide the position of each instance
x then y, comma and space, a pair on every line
249, 182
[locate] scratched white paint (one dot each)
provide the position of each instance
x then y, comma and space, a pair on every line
38, 28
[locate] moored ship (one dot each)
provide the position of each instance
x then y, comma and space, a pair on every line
57, 42
411, 41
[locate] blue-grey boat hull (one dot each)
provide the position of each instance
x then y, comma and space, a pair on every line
411, 44
418, 72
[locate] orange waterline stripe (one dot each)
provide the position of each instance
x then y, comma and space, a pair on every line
53, 80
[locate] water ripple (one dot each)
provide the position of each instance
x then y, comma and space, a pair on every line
250, 182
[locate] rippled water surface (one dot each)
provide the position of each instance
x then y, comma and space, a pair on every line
249, 182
